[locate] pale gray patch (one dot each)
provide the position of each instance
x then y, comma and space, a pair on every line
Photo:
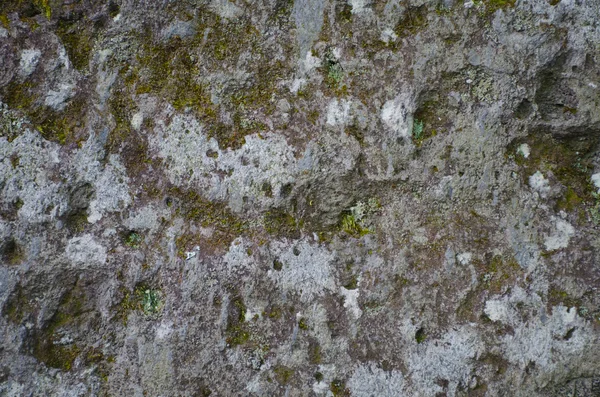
307, 268
29, 61
368, 380
85, 251
57, 99
308, 15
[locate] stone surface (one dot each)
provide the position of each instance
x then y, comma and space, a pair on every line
299, 198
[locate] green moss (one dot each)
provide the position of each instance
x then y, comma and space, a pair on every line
132, 239
216, 215
303, 325
18, 306
420, 335
167, 70
44, 5
496, 275
333, 74
491, 6
4, 21
46, 341
417, 131
19, 95
26, 8
351, 226
353, 283
78, 39
557, 296
277, 265
274, 312
429, 120
570, 200
76, 220
143, 298
498, 272
150, 300
338, 388
283, 374
11, 252
56, 356
314, 352
413, 20
57, 126
499, 363
237, 329
357, 132
280, 223
569, 159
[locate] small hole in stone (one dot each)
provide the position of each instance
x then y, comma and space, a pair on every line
420, 335
569, 334
286, 190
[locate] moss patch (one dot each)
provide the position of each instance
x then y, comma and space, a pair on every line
78, 39
568, 159
196, 209
18, 306
413, 20
237, 329
280, 223
283, 374
11, 252
144, 298
338, 388
48, 346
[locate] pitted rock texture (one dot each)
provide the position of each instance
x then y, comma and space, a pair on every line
299, 198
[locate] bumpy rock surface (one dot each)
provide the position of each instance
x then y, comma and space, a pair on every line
299, 198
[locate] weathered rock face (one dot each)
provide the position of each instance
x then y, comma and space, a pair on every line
329, 198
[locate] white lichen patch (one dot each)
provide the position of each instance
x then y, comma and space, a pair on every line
30, 181
396, 115
57, 98
560, 237
464, 258
137, 120
351, 301
145, 218
229, 175
238, 258
29, 61
338, 112
524, 150
595, 178
369, 380
110, 180
359, 6
164, 330
307, 268
85, 251
449, 358
539, 183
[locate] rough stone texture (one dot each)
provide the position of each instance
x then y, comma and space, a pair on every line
295, 198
